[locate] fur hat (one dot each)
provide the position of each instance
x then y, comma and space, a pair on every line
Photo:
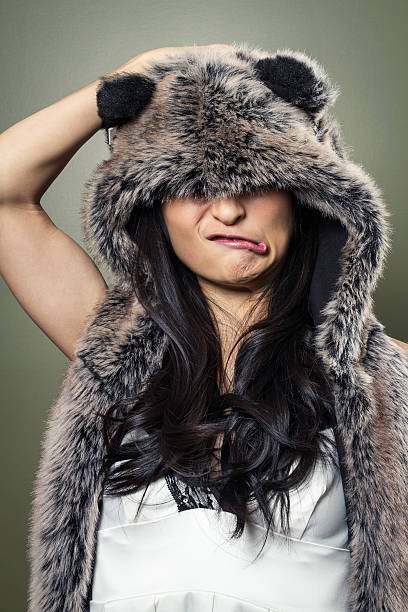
216, 123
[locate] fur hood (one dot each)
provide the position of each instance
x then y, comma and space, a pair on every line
216, 123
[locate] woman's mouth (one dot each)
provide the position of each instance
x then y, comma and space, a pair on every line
240, 243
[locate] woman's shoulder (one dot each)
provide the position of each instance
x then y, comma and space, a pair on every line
404, 345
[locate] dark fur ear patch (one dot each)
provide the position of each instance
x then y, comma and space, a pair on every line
294, 81
120, 97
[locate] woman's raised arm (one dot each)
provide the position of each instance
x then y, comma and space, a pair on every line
52, 277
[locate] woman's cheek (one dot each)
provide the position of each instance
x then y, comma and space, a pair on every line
189, 255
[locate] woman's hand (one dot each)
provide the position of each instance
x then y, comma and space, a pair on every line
148, 57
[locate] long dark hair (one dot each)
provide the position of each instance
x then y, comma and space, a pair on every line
272, 417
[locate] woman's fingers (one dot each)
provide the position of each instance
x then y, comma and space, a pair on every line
149, 56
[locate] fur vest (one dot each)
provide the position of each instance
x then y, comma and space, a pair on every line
216, 123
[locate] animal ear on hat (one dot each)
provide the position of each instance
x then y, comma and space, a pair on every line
122, 96
298, 79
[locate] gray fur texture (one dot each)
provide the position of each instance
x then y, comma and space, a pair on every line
218, 123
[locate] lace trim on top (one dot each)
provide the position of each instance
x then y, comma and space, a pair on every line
188, 496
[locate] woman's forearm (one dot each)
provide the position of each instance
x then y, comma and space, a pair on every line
35, 150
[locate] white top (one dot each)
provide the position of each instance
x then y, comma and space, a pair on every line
172, 561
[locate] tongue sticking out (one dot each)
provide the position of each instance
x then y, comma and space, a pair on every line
261, 247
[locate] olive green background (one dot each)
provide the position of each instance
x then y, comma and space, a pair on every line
50, 48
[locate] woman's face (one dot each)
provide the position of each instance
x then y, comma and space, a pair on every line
265, 217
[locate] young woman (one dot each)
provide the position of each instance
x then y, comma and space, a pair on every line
234, 381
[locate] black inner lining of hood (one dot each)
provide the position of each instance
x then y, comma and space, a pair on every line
332, 238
